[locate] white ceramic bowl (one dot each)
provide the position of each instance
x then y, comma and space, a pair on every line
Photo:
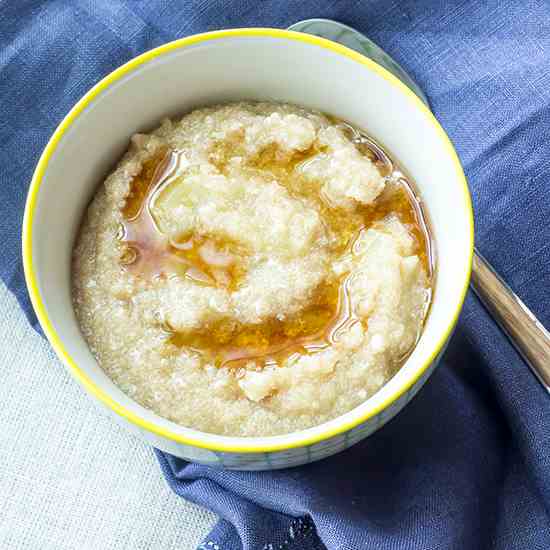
260, 64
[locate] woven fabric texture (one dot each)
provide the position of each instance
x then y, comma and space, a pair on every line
70, 477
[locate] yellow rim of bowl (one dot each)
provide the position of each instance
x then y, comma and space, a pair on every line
241, 444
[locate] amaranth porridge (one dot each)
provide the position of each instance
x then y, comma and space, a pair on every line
252, 269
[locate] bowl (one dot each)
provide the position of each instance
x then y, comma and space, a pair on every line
216, 67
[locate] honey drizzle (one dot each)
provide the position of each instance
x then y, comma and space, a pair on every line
232, 344
151, 254
228, 343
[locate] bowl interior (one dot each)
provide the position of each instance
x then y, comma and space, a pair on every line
226, 67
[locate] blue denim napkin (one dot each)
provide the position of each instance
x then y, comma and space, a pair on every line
467, 465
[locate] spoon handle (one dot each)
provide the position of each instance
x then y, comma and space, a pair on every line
524, 330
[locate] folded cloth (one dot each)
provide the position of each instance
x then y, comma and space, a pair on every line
466, 465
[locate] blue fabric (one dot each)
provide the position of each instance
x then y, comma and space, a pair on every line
466, 466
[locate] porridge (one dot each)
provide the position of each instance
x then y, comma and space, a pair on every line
252, 269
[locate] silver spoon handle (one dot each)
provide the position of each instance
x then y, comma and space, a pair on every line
524, 330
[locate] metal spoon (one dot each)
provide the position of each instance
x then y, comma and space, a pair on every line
524, 330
